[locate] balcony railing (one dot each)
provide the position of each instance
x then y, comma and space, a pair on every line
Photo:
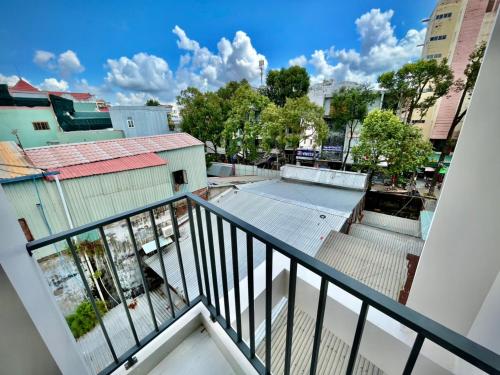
208, 289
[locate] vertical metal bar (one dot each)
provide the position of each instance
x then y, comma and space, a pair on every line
120, 290
251, 307
91, 297
292, 285
203, 254
162, 263
269, 303
195, 247
236, 280
357, 337
175, 226
222, 254
415, 350
319, 325
143, 277
208, 222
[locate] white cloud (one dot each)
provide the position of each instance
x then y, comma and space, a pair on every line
133, 98
234, 60
9, 80
298, 61
44, 59
69, 63
380, 51
52, 84
143, 72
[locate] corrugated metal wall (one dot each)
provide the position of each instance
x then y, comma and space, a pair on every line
97, 197
147, 120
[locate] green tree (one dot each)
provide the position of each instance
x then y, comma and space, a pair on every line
152, 102
243, 126
348, 109
465, 87
202, 116
281, 84
388, 145
412, 80
226, 94
284, 127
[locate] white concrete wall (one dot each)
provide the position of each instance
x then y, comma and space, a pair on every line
456, 282
31, 287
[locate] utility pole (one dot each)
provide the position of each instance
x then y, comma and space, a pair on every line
261, 67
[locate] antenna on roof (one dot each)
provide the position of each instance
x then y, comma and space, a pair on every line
261, 67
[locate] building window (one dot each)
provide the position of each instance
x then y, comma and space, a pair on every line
417, 121
41, 125
434, 56
26, 229
438, 37
130, 122
489, 7
443, 15
180, 178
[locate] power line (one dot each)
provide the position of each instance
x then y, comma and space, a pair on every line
21, 166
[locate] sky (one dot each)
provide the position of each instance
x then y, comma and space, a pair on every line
129, 51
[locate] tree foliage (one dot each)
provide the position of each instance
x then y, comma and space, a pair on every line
284, 127
243, 125
348, 109
84, 318
408, 85
388, 145
202, 115
292, 82
152, 103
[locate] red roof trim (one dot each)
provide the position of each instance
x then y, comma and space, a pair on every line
22, 85
109, 166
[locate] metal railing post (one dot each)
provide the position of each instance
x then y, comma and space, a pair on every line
175, 226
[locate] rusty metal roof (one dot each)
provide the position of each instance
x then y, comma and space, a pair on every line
14, 163
52, 157
109, 166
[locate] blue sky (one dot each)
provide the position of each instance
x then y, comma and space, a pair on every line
127, 50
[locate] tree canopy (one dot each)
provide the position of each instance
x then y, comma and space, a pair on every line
152, 103
202, 116
348, 109
388, 145
408, 85
286, 126
243, 124
292, 82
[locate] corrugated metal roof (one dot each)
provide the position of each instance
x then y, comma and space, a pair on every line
379, 267
109, 166
346, 180
392, 223
13, 162
341, 201
333, 353
89, 152
22, 85
401, 242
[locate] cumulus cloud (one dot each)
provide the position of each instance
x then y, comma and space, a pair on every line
298, 61
44, 59
52, 84
67, 63
9, 80
234, 60
142, 72
133, 98
380, 51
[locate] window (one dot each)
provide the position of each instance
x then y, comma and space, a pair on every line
26, 229
41, 125
438, 37
417, 121
130, 122
443, 15
180, 178
434, 56
489, 7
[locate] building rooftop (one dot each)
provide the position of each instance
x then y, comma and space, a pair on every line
52, 157
14, 163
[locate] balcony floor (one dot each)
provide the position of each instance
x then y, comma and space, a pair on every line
196, 354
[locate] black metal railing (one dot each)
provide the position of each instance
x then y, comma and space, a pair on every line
208, 290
